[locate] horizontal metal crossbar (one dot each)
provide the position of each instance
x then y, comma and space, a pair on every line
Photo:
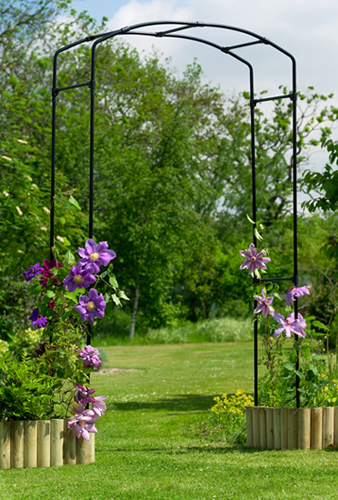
60, 89
164, 33
247, 44
283, 96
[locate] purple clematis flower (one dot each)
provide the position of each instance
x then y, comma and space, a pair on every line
83, 423
37, 319
32, 272
78, 278
253, 260
99, 406
296, 292
264, 304
96, 255
83, 396
90, 356
290, 325
91, 306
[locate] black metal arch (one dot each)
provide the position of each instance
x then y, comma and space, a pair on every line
179, 26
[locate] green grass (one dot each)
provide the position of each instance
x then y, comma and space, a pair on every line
153, 441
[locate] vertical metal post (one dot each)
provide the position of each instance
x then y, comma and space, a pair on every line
91, 162
254, 218
52, 179
294, 158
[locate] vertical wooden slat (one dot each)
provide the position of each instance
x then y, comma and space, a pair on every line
335, 427
249, 429
5, 445
256, 426
44, 439
69, 444
56, 446
277, 428
85, 450
316, 428
17, 444
328, 419
269, 428
304, 428
262, 427
284, 428
292, 429
31, 443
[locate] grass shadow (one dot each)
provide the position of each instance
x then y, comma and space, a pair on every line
179, 403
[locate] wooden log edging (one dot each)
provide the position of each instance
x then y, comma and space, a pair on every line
42, 443
291, 428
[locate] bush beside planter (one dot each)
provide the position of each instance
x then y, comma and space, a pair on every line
291, 428
42, 443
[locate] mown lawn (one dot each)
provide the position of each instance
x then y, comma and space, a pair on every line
152, 442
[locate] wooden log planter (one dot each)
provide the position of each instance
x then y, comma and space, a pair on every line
42, 443
291, 428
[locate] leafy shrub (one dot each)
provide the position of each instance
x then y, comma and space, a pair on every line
24, 395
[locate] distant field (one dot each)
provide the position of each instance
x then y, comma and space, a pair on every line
154, 442
212, 330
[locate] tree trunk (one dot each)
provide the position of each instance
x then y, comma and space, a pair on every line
133, 315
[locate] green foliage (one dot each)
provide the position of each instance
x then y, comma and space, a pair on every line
23, 394
323, 184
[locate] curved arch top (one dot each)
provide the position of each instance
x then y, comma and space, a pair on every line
175, 29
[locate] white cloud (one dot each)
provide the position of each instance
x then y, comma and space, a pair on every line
307, 30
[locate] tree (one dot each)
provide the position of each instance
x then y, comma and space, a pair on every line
325, 184
172, 173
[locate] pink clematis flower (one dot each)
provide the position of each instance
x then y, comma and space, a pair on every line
296, 292
83, 396
290, 325
264, 304
90, 356
99, 406
83, 423
253, 260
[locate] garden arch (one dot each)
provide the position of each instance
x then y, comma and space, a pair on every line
174, 31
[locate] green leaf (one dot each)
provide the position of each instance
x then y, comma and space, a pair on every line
69, 259
116, 300
122, 295
289, 366
258, 236
320, 325
73, 295
50, 294
113, 281
73, 201
250, 220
